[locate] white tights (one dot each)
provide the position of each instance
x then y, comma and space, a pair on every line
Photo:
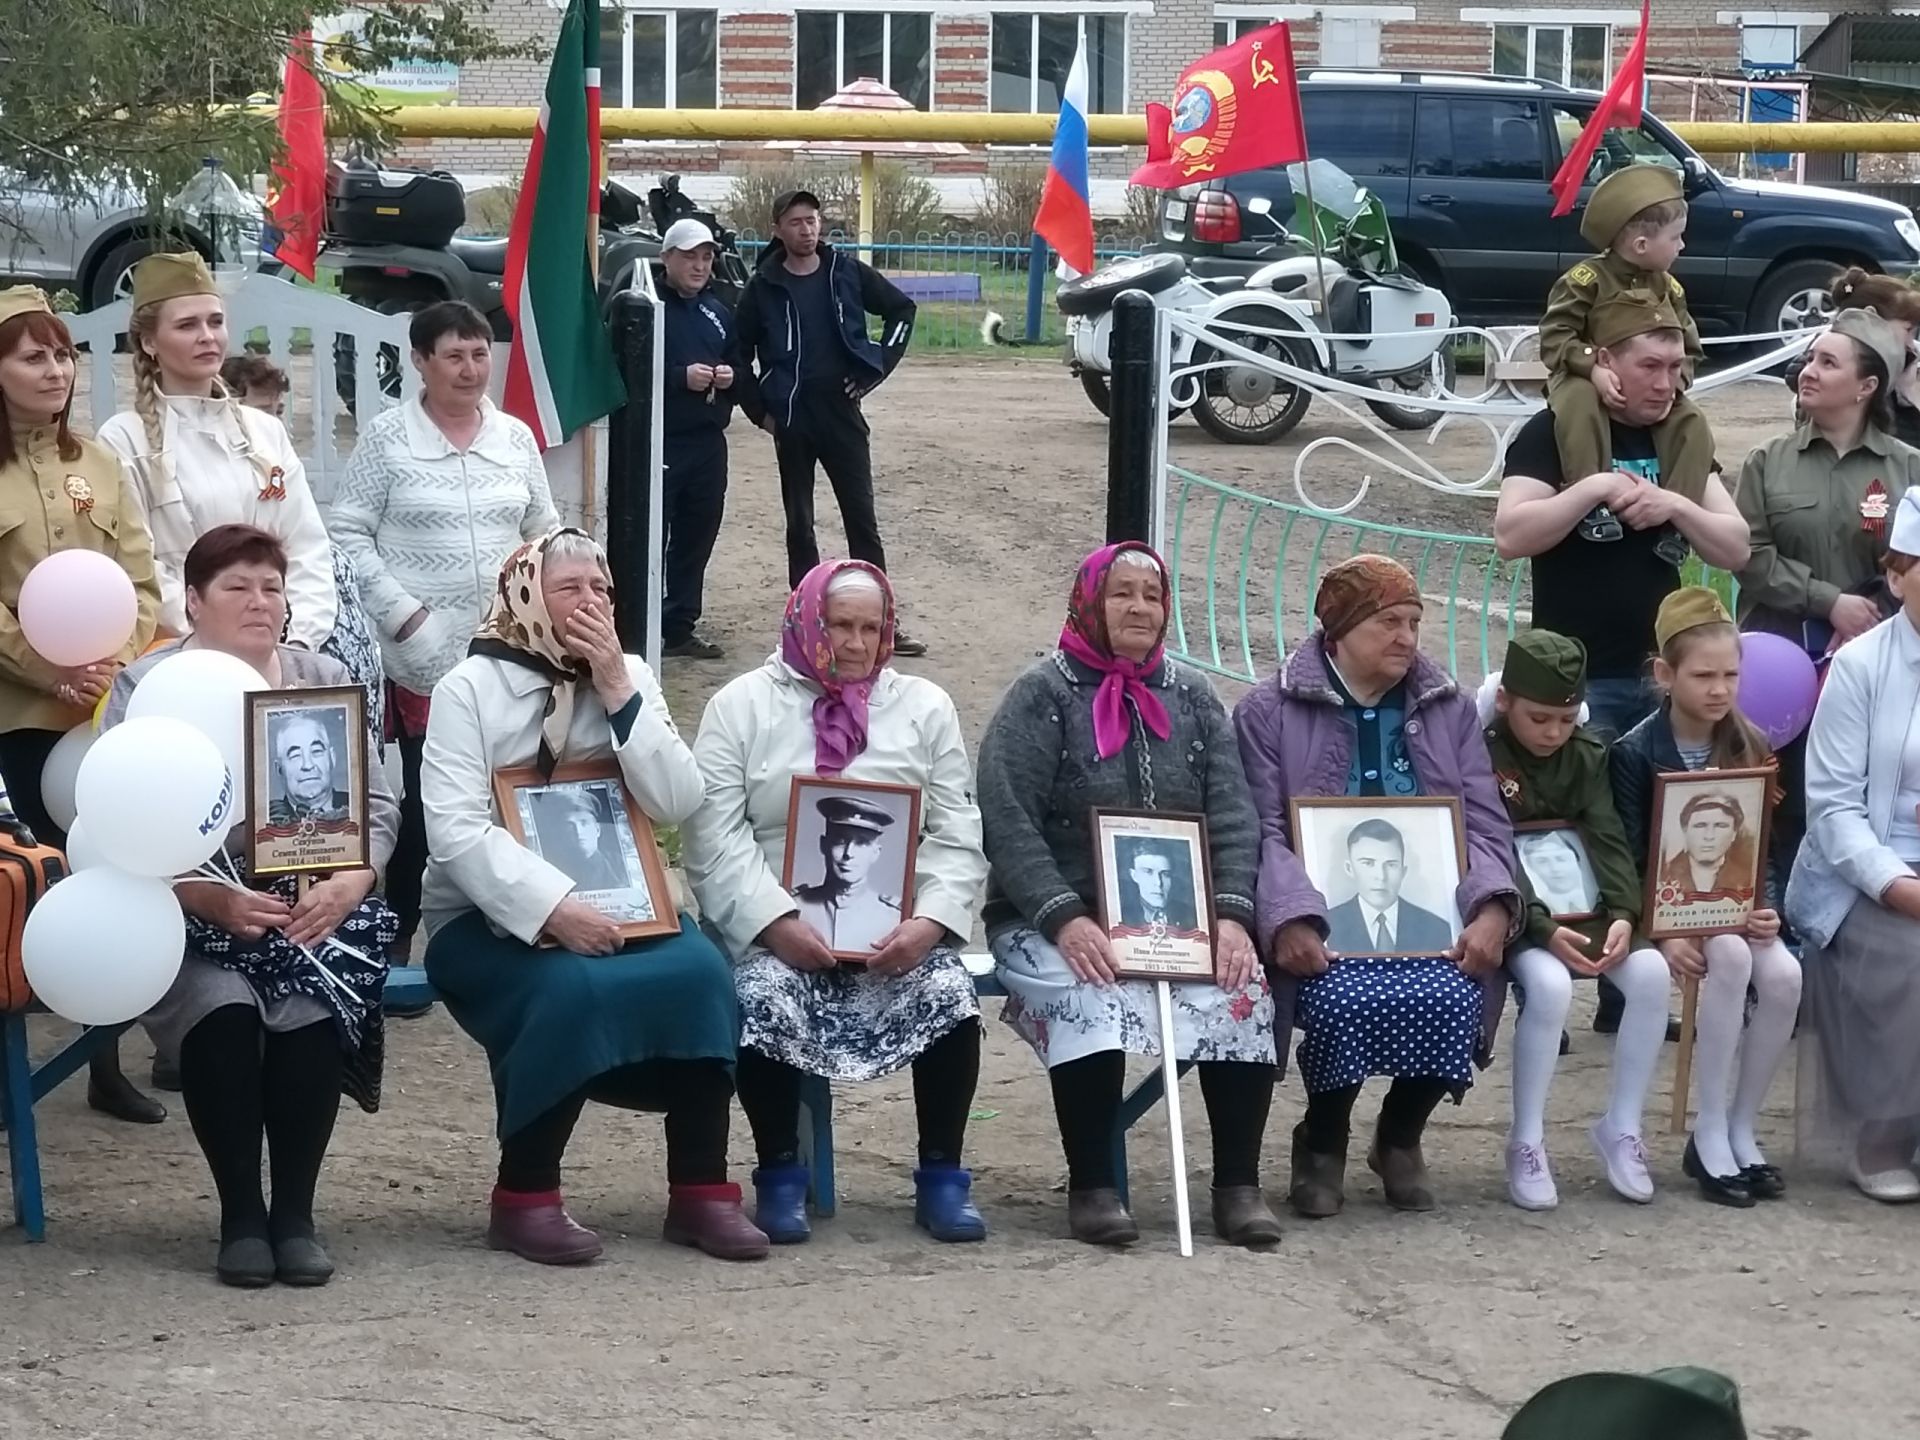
1731, 1079
1643, 979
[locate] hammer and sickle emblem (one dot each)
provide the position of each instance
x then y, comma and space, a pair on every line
1263, 71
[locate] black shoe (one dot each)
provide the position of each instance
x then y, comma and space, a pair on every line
117, 1097
1566, 1042
246, 1263
905, 644
697, 647
301, 1260
166, 1074
1730, 1190
1765, 1182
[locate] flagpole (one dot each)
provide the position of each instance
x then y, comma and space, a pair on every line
589, 447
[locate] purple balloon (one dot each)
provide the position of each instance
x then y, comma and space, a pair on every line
1778, 686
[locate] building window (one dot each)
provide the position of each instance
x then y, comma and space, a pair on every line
1345, 43
659, 60
832, 49
1032, 54
1773, 47
1565, 54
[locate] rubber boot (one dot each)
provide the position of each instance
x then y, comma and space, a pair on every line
780, 1203
943, 1205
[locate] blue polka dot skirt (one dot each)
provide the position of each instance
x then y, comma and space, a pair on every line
1388, 1017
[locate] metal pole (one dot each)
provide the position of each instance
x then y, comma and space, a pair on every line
1036, 286
1131, 421
866, 207
631, 448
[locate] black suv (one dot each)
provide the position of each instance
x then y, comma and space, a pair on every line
1462, 163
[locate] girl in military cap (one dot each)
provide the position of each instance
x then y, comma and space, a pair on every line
1550, 769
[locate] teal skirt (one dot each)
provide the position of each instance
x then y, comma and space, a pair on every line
552, 1022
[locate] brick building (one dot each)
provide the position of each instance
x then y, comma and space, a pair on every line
1003, 55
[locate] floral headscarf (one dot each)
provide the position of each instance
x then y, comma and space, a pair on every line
1359, 588
520, 631
840, 710
1084, 638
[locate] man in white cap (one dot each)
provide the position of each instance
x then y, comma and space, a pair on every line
704, 380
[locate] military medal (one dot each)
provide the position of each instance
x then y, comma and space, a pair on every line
276, 485
1873, 509
80, 492
1509, 787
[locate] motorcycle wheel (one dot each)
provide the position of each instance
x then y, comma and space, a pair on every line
1440, 368
1243, 405
1100, 392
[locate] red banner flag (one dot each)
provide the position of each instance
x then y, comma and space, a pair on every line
1619, 109
297, 196
1237, 109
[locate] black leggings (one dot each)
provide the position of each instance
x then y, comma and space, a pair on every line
241, 1081
1086, 1098
945, 1075
1410, 1101
695, 1094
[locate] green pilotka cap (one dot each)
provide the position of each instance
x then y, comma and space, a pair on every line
1623, 195
1620, 317
1545, 667
1683, 1403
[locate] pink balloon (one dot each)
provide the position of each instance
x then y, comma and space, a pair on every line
76, 607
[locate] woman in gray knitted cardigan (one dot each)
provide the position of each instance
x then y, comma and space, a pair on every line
1108, 720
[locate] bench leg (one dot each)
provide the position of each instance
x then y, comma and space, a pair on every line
1148, 1093
816, 1142
16, 1103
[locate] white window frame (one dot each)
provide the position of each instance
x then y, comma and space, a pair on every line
887, 12
671, 14
1533, 29
1123, 13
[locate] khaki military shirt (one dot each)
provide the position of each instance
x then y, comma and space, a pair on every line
1818, 522
48, 504
1566, 347
853, 921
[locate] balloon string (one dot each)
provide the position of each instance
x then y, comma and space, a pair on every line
232, 881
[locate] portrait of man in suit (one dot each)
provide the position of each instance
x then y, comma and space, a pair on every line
305, 766
1377, 921
1154, 886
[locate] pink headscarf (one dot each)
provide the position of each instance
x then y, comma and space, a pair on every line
1084, 638
840, 711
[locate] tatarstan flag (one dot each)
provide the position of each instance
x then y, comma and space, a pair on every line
560, 373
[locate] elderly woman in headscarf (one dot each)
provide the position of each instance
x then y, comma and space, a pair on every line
566, 1009
1109, 720
828, 704
1357, 710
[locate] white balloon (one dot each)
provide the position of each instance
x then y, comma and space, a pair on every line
206, 689
81, 851
103, 946
155, 796
61, 770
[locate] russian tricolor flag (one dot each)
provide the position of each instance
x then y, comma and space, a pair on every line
1065, 217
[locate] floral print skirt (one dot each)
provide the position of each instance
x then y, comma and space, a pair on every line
849, 1023
1063, 1018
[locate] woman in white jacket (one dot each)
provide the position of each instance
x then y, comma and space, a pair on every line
199, 458
566, 1010
828, 704
1855, 895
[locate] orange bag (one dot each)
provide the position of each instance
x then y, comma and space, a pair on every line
27, 868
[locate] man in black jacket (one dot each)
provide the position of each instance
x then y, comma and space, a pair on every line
705, 376
803, 318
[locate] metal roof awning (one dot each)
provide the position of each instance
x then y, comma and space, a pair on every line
1853, 92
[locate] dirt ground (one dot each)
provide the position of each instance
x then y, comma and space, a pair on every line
1369, 1325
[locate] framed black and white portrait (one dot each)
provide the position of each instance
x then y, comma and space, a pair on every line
1156, 892
851, 846
1558, 869
307, 781
1388, 868
582, 821
1709, 834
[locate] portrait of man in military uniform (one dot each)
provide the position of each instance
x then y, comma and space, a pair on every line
306, 780
853, 895
578, 830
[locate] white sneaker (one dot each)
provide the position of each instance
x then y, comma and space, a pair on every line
1625, 1159
1889, 1187
1529, 1181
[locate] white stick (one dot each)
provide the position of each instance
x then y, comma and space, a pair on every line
1170, 1074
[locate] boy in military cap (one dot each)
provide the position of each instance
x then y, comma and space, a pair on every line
1636, 220
1583, 905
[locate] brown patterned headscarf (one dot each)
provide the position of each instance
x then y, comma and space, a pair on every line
519, 631
1359, 588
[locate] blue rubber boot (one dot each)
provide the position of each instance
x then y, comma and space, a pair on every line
780, 1204
943, 1205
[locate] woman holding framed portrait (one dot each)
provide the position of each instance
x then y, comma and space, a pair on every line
1694, 782
1381, 983
838, 854
266, 1043
532, 946
1855, 897
1109, 721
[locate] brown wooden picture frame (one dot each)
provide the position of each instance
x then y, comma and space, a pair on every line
1155, 954
1530, 827
1299, 805
1723, 920
508, 786
290, 845
907, 797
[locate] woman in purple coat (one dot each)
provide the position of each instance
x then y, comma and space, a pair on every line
1357, 710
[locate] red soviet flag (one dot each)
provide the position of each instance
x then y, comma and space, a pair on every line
297, 197
1619, 109
1237, 109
